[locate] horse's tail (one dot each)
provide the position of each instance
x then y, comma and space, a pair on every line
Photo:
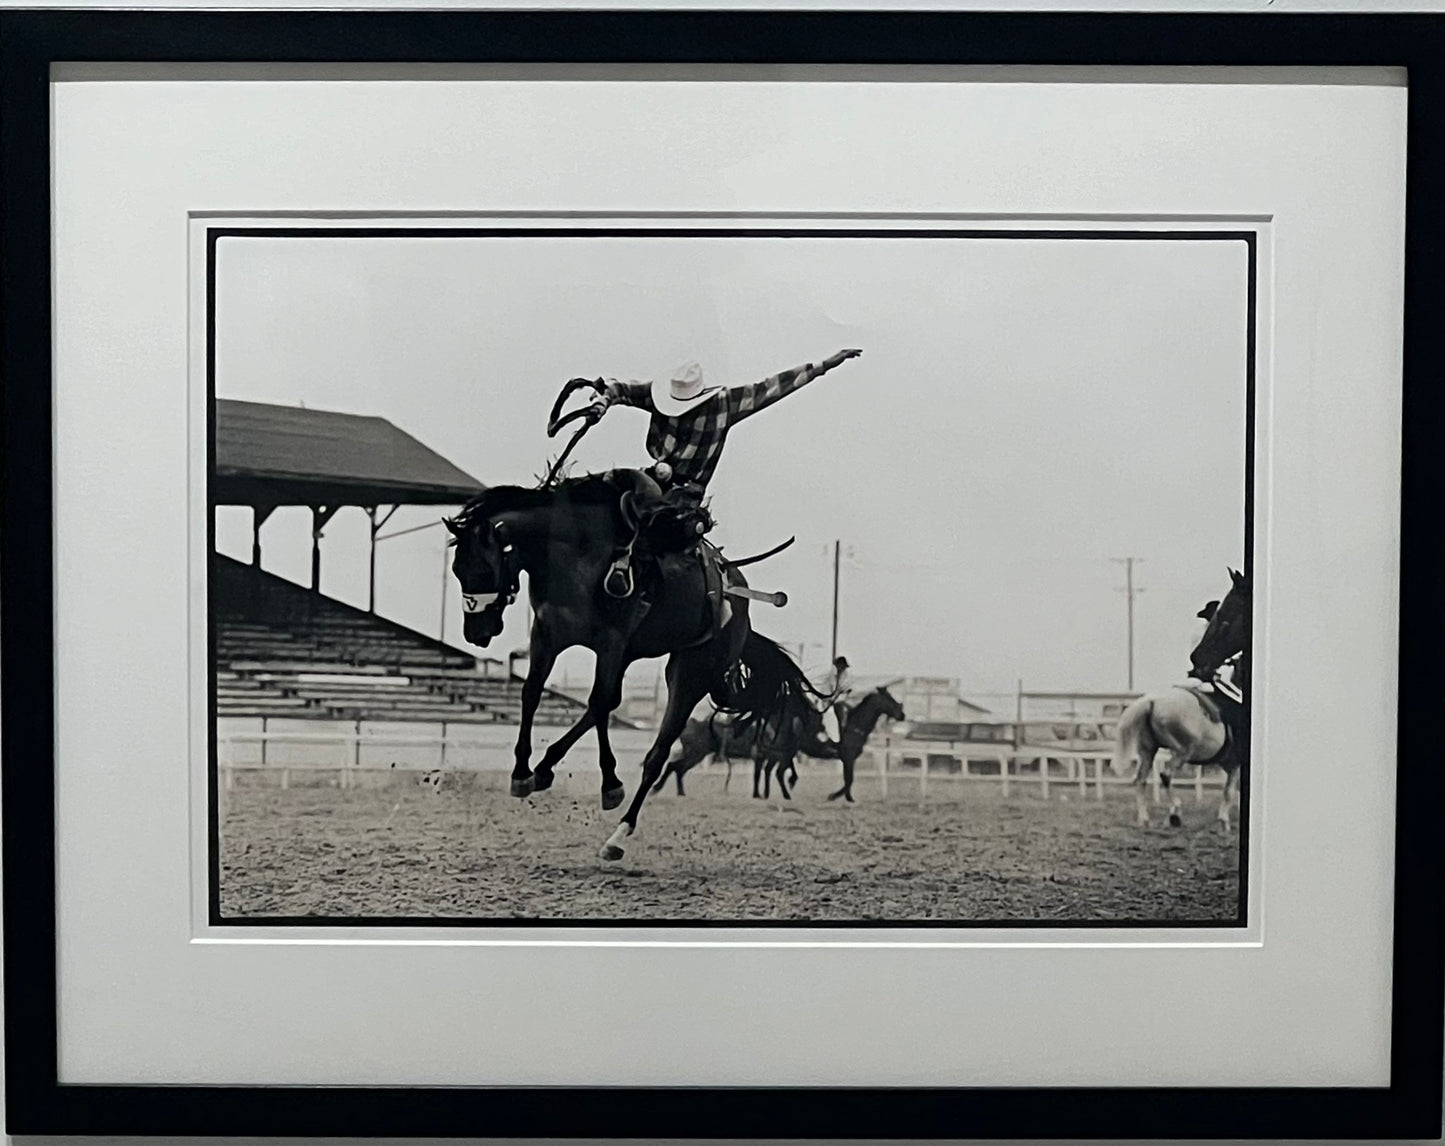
1126, 737
765, 682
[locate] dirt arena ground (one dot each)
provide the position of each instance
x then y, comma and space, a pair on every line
468, 850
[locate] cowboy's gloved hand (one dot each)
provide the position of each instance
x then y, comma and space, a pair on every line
598, 407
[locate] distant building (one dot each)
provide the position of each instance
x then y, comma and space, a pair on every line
1080, 720
926, 698
935, 707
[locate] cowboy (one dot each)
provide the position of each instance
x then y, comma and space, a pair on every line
837, 690
690, 423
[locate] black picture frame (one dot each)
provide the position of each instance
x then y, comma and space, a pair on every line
30, 41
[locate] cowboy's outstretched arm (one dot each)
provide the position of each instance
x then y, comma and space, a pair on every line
744, 401
617, 393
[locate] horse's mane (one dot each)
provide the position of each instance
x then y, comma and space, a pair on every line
589, 489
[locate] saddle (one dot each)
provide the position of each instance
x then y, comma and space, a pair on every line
653, 523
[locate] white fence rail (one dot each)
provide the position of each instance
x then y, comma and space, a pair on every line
900, 765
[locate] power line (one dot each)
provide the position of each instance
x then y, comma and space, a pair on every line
412, 529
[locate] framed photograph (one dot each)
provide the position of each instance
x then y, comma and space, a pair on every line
850, 571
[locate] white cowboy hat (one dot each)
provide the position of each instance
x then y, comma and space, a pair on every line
681, 392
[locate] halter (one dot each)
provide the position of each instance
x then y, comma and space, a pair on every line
499, 600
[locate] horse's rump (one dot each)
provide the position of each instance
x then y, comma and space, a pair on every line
765, 684
1188, 724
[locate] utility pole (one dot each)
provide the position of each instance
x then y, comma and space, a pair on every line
446, 591
1130, 591
837, 553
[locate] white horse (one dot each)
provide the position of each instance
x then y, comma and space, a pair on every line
1188, 724
1200, 724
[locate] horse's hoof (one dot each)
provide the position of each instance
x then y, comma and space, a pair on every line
611, 798
523, 787
541, 781
610, 852
1175, 821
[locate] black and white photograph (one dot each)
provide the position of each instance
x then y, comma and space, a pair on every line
722, 574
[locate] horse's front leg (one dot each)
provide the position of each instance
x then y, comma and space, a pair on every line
546, 768
606, 695
543, 657
846, 791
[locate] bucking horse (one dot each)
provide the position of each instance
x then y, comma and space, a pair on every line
689, 605
1192, 725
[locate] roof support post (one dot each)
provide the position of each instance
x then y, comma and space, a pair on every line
320, 515
259, 514
376, 524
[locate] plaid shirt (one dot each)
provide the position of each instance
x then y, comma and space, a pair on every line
692, 442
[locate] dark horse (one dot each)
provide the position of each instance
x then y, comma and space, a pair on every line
701, 738
856, 730
564, 537
704, 738
1193, 726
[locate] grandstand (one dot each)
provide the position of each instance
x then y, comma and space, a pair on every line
282, 650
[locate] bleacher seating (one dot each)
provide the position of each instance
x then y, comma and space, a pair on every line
283, 650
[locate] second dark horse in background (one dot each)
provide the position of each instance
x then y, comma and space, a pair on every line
704, 738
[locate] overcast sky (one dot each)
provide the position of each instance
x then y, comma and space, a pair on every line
1024, 411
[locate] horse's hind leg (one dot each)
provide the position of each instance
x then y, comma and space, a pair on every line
1231, 790
1166, 781
1141, 782
606, 695
762, 776
687, 683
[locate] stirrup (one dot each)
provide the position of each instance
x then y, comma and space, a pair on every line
618, 582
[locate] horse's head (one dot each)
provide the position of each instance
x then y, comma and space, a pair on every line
486, 566
1228, 629
889, 703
